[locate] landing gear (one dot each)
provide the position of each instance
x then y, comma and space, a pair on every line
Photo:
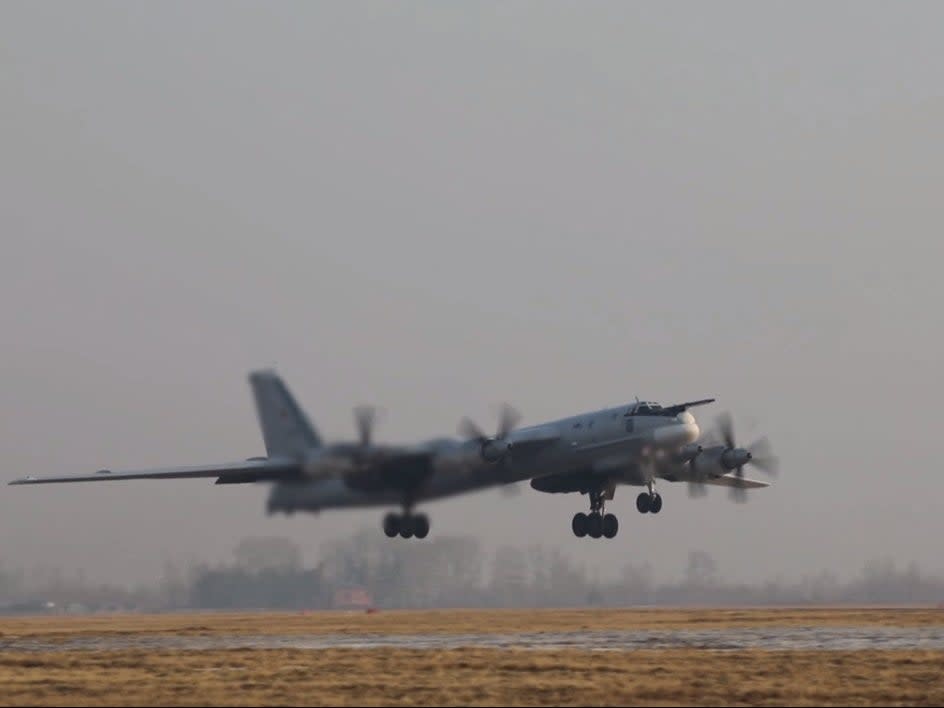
649, 503
406, 525
655, 506
596, 523
421, 526
579, 525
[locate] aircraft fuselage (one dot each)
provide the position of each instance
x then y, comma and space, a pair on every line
609, 439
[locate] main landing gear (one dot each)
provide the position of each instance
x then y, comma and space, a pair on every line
649, 503
596, 523
406, 525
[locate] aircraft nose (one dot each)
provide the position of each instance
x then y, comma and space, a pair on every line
686, 433
679, 434
691, 431
694, 432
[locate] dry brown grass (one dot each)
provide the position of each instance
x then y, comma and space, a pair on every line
477, 676
457, 621
471, 676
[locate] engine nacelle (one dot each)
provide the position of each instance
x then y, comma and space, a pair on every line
708, 463
493, 450
688, 452
733, 458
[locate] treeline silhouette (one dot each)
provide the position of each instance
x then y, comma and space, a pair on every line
369, 569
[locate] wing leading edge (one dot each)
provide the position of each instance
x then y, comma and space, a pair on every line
730, 480
226, 473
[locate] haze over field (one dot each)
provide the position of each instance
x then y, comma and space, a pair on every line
438, 207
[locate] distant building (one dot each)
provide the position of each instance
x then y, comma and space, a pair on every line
352, 598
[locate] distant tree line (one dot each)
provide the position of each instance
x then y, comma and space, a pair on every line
268, 572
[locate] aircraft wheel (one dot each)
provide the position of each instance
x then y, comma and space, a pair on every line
643, 502
420, 525
579, 525
655, 505
406, 527
610, 526
594, 525
391, 525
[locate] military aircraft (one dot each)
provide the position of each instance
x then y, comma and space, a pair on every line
592, 453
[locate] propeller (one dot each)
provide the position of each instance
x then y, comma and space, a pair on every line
697, 474
758, 453
696, 490
508, 419
763, 458
365, 417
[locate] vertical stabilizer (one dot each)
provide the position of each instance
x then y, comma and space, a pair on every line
285, 427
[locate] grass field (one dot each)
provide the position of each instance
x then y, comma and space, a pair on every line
478, 676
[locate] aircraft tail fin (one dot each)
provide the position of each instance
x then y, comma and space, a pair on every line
285, 427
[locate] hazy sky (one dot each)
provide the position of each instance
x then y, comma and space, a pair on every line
435, 207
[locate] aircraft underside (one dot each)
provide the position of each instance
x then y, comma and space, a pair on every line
336, 493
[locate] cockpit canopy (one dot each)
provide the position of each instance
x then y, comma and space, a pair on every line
650, 408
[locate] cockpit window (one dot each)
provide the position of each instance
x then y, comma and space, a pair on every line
648, 408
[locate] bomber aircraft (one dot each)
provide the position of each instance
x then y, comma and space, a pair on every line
592, 453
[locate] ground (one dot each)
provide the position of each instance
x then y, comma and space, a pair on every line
62, 674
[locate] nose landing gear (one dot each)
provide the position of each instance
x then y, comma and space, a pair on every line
596, 523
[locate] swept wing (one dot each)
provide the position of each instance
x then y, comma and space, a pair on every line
226, 473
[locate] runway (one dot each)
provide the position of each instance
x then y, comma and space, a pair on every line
851, 638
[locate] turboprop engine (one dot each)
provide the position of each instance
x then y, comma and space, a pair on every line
492, 448
721, 459
688, 452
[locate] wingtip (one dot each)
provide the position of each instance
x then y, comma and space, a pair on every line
266, 373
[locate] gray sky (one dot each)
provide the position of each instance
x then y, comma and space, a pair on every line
435, 207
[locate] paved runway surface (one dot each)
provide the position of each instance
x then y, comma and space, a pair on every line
768, 638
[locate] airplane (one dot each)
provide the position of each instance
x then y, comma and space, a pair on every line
592, 453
